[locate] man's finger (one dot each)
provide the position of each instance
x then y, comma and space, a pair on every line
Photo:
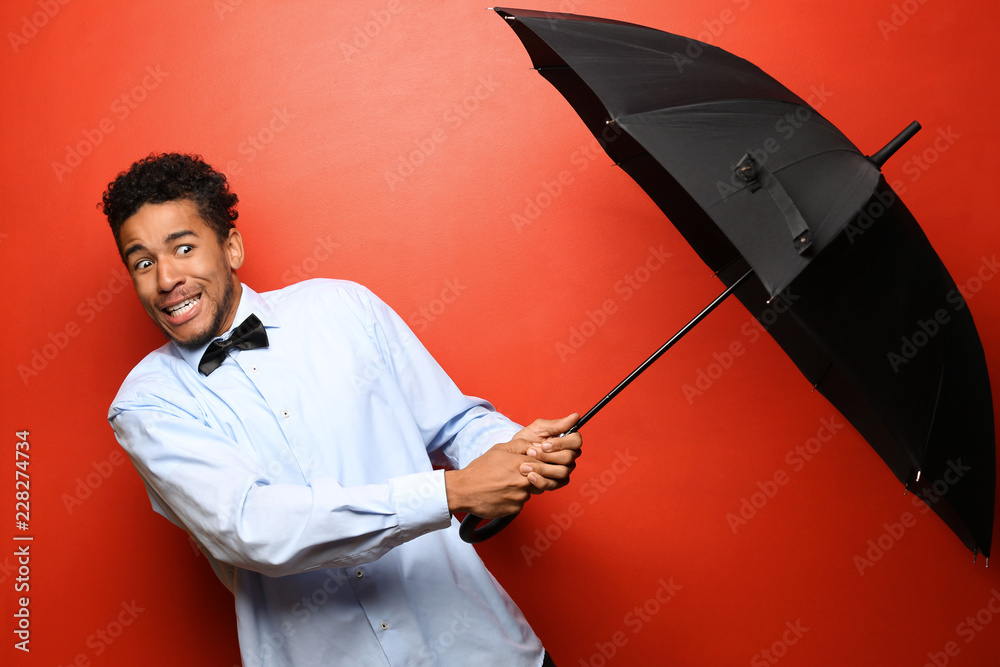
540, 483
545, 428
562, 457
572, 441
546, 470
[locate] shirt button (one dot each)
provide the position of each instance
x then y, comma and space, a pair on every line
359, 573
385, 625
286, 414
254, 369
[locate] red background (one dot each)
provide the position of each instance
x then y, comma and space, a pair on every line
308, 106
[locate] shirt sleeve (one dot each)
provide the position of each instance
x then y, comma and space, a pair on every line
456, 428
215, 493
202, 479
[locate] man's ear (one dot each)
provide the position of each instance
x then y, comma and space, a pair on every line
233, 248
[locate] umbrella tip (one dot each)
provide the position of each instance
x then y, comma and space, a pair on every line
887, 151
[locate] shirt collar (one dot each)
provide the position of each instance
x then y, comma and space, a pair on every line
250, 303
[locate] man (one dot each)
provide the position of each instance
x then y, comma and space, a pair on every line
304, 454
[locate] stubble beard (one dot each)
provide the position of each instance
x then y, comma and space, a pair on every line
206, 336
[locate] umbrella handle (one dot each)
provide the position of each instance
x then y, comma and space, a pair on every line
471, 532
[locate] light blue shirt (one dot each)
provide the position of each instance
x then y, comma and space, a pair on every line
305, 472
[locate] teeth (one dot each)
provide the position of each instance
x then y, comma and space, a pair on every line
182, 308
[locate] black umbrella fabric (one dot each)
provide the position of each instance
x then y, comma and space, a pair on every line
755, 179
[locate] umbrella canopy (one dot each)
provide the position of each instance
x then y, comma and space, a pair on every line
754, 178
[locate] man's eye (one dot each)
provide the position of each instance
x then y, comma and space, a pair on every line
143, 264
185, 249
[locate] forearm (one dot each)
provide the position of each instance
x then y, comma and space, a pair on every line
215, 492
284, 529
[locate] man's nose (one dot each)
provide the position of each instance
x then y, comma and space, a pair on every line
167, 275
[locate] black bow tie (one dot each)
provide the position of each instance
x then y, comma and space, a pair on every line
248, 335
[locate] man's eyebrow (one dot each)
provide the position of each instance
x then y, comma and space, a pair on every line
179, 235
136, 247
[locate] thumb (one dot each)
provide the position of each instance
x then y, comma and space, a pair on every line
556, 427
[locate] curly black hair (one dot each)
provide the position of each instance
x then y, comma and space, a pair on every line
156, 179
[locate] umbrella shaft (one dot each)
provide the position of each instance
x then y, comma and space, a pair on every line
656, 355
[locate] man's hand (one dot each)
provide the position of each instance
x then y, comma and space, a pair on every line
499, 482
548, 448
492, 485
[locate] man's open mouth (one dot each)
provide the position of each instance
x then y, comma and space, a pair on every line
183, 307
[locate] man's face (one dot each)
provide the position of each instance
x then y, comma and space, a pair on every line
184, 277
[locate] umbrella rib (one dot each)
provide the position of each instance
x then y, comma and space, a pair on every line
633, 158
710, 102
822, 376
609, 40
937, 400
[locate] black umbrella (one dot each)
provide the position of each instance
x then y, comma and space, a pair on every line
756, 180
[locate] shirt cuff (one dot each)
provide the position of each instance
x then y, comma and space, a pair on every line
421, 503
500, 429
